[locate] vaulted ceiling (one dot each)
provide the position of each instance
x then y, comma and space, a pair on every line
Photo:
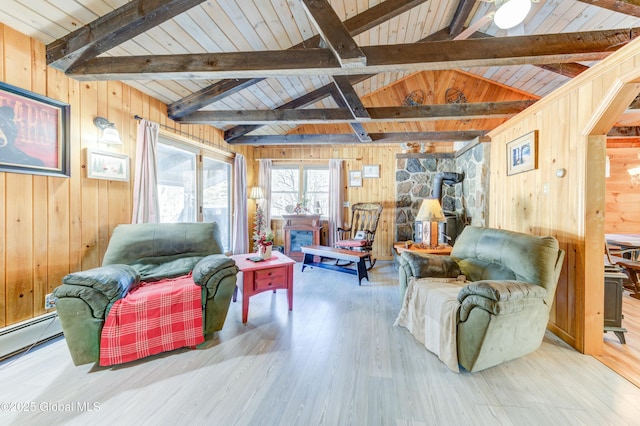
330, 71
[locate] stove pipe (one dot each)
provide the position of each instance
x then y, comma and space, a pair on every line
449, 178
448, 230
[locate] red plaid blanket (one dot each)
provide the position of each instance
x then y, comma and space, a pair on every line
153, 318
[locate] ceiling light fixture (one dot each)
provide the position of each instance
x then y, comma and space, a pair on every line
511, 13
109, 133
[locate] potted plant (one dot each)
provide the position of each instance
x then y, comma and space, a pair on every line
265, 244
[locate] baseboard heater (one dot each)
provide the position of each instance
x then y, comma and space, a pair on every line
20, 337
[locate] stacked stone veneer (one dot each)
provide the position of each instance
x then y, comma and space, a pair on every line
414, 182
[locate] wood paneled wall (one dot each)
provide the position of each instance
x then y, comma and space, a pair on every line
622, 214
52, 226
380, 190
571, 124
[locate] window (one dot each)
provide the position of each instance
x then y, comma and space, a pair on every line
216, 196
194, 186
307, 185
177, 182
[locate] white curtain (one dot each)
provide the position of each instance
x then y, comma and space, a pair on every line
264, 180
336, 198
145, 186
240, 229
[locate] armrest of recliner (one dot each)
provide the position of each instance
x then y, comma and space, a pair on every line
99, 287
212, 269
499, 297
421, 265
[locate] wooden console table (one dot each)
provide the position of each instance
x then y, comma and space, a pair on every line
300, 230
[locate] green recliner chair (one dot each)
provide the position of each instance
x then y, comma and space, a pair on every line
144, 252
505, 307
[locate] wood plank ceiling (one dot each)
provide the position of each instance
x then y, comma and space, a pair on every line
259, 69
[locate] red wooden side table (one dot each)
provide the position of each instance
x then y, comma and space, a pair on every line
270, 274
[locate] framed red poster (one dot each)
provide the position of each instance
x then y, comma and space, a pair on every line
34, 133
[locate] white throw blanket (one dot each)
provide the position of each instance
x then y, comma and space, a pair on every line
430, 312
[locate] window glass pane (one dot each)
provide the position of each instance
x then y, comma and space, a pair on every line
216, 196
285, 188
176, 184
317, 190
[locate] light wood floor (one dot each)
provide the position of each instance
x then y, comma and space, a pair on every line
335, 360
625, 358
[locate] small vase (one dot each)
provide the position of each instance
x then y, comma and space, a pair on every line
264, 252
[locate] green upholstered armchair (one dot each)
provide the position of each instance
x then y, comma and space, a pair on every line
504, 309
144, 252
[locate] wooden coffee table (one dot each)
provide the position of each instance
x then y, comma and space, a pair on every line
270, 274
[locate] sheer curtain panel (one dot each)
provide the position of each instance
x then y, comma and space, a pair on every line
264, 181
241, 214
145, 186
336, 198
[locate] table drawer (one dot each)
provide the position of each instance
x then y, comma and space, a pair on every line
270, 278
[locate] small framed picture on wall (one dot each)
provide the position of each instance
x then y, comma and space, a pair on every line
107, 165
371, 171
355, 178
522, 153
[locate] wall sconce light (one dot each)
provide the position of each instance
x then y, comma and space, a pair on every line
109, 133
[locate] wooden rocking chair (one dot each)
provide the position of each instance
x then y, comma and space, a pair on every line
362, 231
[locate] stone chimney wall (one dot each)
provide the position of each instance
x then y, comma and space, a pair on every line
414, 182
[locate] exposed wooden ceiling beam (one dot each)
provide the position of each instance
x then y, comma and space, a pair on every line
208, 95
360, 23
334, 33
316, 95
628, 7
301, 102
438, 55
624, 132
224, 88
461, 17
350, 97
379, 14
377, 114
450, 111
112, 29
569, 69
322, 139
339, 99
360, 132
